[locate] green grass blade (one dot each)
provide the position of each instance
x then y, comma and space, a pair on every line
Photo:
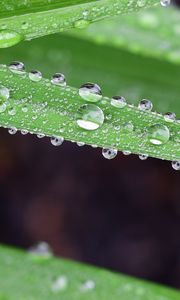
40, 18
118, 72
22, 277
151, 32
52, 111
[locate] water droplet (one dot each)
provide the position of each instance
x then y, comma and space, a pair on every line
176, 165
57, 141
126, 152
109, 153
118, 101
40, 135
82, 23
17, 67
59, 284
12, 130
165, 2
158, 134
88, 285
12, 111
25, 25
24, 108
90, 92
40, 251
58, 79
143, 156
141, 3
145, 104
9, 38
90, 117
24, 131
3, 106
35, 75
4, 93
80, 144
169, 117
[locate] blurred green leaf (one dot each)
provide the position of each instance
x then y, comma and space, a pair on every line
22, 277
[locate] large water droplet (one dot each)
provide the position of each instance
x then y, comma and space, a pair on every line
118, 101
158, 134
90, 117
145, 104
12, 130
143, 156
58, 79
90, 92
35, 75
57, 141
169, 117
176, 165
17, 67
4, 93
109, 153
9, 38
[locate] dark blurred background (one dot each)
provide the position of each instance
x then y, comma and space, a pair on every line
122, 214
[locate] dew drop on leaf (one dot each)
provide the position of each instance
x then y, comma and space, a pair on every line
4, 93
35, 75
89, 117
40, 251
143, 156
118, 101
57, 141
82, 23
58, 79
109, 153
9, 38
169, 117
165, 2
12, 130
145, 104
158, 134
59, 284
176, 165
87, 286
17, 67
90, 92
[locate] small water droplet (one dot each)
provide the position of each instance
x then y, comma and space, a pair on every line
141, 3
24, 131
165, 2
143, 156
58, 79
145, 104
169, 117
57, 141
3, 106
9, 38
4, 93
40, 135
87, 286
59, 284
24, 108
81, 23
176, 165
40, 251
17, 67
90, 92
12, 130
80, 144
89, 117
109, 153
126, 152
118, 101
12, 111
158, 134
35, 75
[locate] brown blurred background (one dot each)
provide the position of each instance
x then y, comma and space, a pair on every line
122, 214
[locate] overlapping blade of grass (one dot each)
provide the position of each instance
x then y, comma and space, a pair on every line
152, 32
117, 71
22, 277
52, 111
31, 19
